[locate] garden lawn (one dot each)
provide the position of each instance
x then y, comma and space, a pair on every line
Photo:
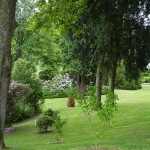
130, 130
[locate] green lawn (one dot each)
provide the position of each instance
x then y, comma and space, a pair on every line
131, 130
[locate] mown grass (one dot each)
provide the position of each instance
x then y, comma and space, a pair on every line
131, 130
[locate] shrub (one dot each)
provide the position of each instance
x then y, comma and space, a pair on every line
130, 85
58, 125
145, 77
123, 83
146, 80
35, 97
24, 72
22, 111
44, 122
17, 92
16, 96
51, 113
57, 87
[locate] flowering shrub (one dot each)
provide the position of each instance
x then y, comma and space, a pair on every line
16, 99
17, 91
57, 87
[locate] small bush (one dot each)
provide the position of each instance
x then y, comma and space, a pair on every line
44, 122
51, 113
58, 125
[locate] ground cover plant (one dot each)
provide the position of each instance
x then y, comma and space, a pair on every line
130, 131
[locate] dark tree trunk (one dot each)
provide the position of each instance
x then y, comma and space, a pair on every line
83, 84
78, 82
112, 78
98, 86
7, 26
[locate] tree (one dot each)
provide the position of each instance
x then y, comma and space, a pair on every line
135, 38
7, 26
22, 35
109, 18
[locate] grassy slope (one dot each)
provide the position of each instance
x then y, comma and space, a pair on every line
131, 126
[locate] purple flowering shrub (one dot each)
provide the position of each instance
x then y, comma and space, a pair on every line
17, 108
17, 92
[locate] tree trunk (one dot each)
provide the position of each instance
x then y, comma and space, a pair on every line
78, 82
83, 85
112, 78
98, 86
7, 26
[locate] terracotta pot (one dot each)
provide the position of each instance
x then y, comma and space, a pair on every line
70, 102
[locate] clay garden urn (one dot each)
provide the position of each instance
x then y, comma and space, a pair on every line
70, 102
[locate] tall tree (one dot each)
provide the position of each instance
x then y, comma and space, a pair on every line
7, 26
22, 35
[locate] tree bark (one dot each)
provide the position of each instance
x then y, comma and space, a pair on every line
98, 86
7, 26
78, 82
112, 77
83, 85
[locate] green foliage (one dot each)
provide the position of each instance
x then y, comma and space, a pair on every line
23, 111
58, 125
17, 109
120, 76
130, 85
23, 71
72, 92
87, 103
51, 113
50, 118
109, 107
20, 112
23, 40
145, 77
46, 74
146, 80
36, 97
105, 113
123, 83
44, 122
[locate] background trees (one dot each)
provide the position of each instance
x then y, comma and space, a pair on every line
94, 30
